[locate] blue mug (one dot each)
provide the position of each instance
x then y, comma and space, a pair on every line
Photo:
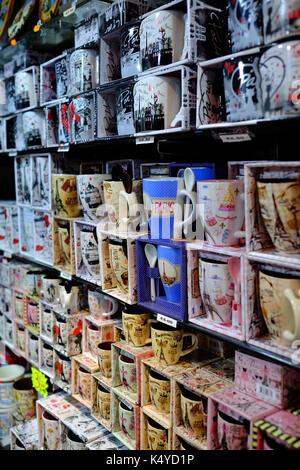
160, 196
202, 173
169, 263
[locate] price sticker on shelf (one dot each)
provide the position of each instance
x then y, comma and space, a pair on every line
13, 154
232, 138
66, 276
167, 320
64, 148
70, 11
147, 139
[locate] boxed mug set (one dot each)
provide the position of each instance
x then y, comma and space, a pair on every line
9, 228
86, 240
83, 367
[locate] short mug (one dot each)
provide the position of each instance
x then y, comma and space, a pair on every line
167, 343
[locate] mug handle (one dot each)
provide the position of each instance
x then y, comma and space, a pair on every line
115, 306
193, 347
178, 215
151, 320
127, 201
295, 306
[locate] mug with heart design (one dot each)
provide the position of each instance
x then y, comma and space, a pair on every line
90, 191
119, 262
160, 391
127, 420
104, 358
232, 434
84, 384
136, 327
279, 296
217, 290
167, 343
223, 211
51, 434
102, 306
127, 369
161, 38
89, 252
24, 90
83, 71
103, 402
65, 196
279, 203
74, 442
157, 102
192, 412
157, 436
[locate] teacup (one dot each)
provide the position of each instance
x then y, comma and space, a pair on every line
232, 434
192, 412
157, 436
51, 435
279, 296
160, 391
104, 358
223, 210
136, 328
65, 197
103, 402
128, 376
280, 208
167, 343
127, 420
217, 290
74, 442
90, 191
84, 384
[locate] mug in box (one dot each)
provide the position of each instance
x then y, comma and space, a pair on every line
101, 305
63, 231
160, 391
32, 312
104, 358
21, 339
157, 436
161, 38
232, 434
26, 230
157, 102
43, 235
103, 401
245, 24
34, 128
34, 348
83, 70
64, 369
19, 306
49, 85
81, 117
127, 420
74, 442
281, 19
8, 375
93, 334
11, 95
41, 184
84, 384
47, 357
90, 192
89, 251
210, 107
169, 266
34, 281
47, 323
136, 327
127, 369
125, 111
63, 123
50, 285
62, 331
62, 78
167, 343
65, 197
8, 330
25, 398
51, 434
192, 412
120, 199
119, 262
279, 67
69, 293
24, 90
130, 51
242, 87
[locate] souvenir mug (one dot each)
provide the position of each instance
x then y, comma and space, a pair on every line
102, 306
185, 446
90, 192
210, 86
81, 116
25, 398
167, 343
62, 78
19, 306
21, 339
192, 412
62, 331
169, 266
24, 90
217, 290
281, 19
34, 282
64, 241
127, 420
64, 369
26, 224
8, 375
127, 369
160, 391
40, 182
157, 436
223, 210
120, 203
51, 435
279, 67
119, 262
279, 296
83, 70
279, 204
19, 445
245, 20
65, 197
136, 328
93, 338
160, 195
103, 401
48, 357
130, 51
242, 87
157, 102
232, 434
89, 252
49, 85
34, 348
104, 358
69, 296
32, 312
34, 128
50, 285
47, 323
84, 384
63, 123
8, 331
74, 442
161, 38
125, 111
11, 95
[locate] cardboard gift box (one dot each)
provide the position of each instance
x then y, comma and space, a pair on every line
280, 431
48, 368
73, 333
9, 227
20, 341
81, 269
85, 364
154, 441
32, 314
102, 416
26, 433
23, 180
24, 101
83, 117
86, 32
43, 236
42, 165
26, 239
126, 427
49, 92
59, 261
105, 331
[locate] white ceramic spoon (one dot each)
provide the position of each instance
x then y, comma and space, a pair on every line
189, 181
151, 255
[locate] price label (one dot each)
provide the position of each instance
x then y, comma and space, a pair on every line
167, 320
147, 139
267, 393
66, 276
232, 138
64, 148
13, 154
7, 255
70, 11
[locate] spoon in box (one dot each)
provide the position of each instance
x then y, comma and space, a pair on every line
151, 255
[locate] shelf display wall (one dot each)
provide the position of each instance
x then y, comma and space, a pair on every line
149, 263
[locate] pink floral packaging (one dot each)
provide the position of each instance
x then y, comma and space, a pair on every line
278, 431
266, 381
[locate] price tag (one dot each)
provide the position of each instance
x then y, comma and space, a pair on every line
147, 139
7, 255
232, 138
66, 276
13, 154
167, 320
267, 393
70, 11
64, 148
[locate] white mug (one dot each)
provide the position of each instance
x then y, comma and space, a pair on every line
89, 252
83, 70
90, 192
81, 116
34, 348
34, 128
101, 305
24, 90
62, 77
